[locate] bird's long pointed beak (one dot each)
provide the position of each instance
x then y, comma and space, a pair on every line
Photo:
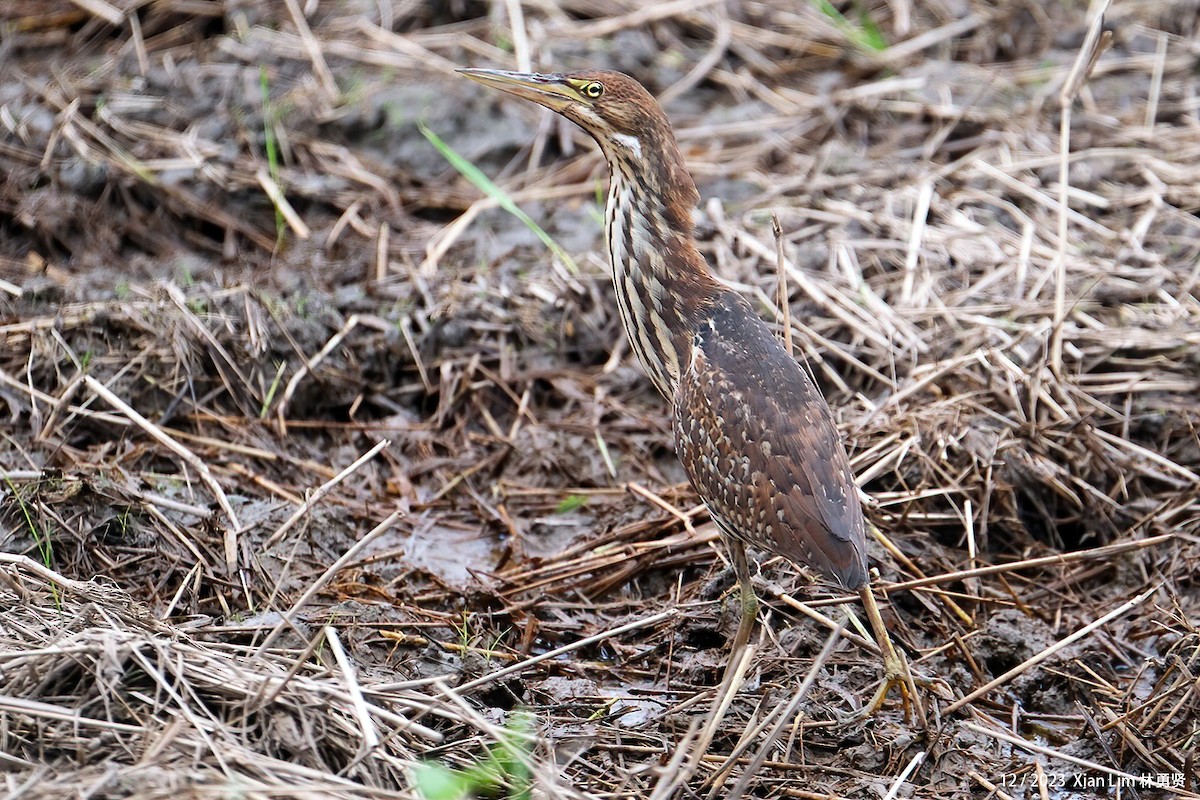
551, 91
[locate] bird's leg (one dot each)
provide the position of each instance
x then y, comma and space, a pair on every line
895, 670
739, 656
748, 599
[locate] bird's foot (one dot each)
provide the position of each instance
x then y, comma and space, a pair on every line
895, 674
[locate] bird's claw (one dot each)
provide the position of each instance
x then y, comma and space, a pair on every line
895, 674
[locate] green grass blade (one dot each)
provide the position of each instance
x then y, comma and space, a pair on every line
872, 37
41, 539
867, 36
272, 148
485, 185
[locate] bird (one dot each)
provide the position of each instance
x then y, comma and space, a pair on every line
756, 437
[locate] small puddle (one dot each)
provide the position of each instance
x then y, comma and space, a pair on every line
451, 554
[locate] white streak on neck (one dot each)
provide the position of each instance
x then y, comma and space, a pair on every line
630, 143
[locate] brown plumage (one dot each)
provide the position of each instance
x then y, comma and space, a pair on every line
754, 434
759, 444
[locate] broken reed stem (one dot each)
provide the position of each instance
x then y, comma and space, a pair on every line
807, 610
1064, 559
1093, 47
1131, 779
279, 200
567, 648
742, 787
335, 340
190, 458
734, 678
370, 733
913, 763
785, 303
1051, 650
674, 774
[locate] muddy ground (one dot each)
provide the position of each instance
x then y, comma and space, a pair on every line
320, 468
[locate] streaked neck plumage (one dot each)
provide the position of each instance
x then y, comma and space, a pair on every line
663, 285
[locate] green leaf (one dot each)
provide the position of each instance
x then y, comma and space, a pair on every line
435, 782
570, 503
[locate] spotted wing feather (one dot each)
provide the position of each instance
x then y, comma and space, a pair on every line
758, 442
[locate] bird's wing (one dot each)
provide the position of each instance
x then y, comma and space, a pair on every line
758, 442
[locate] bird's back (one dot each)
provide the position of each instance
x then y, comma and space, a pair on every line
759, 443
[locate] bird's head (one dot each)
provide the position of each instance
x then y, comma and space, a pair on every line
624, 119
611, 106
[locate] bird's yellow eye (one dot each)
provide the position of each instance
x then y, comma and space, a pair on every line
592, 89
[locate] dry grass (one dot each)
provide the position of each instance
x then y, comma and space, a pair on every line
362, 472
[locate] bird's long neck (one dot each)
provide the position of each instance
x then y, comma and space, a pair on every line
662, 282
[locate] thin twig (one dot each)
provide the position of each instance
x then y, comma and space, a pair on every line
348, 557
324, 489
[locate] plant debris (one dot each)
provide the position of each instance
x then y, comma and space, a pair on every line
322, 476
